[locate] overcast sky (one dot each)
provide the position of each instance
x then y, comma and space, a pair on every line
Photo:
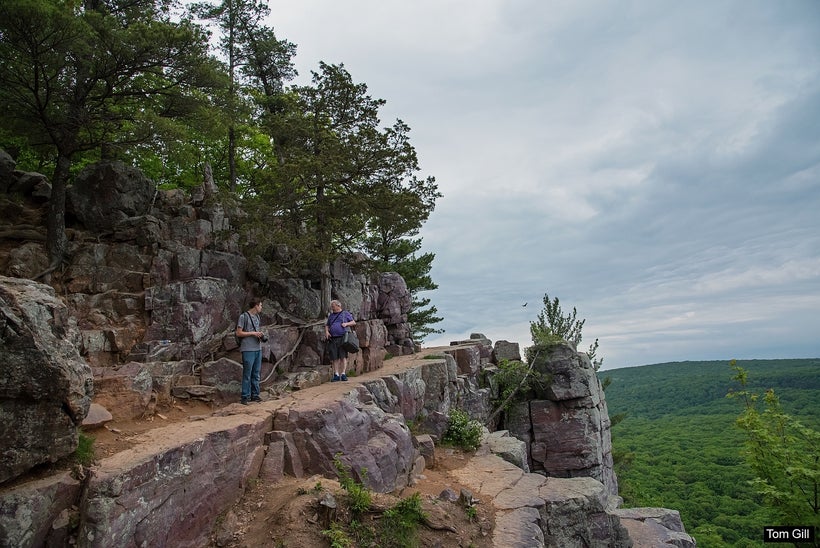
655, 164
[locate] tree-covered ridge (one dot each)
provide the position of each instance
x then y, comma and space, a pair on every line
184, 90
692, 387
679, 446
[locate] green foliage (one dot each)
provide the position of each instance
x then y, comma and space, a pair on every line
553, 326
677, 448
462, 431
94, 79
359, 497
312, 168
472, 513
257, 64
597, 361
516, 382
85, 450
400, 524
421, 318
338, 173
338, 536
364, 535
783, 454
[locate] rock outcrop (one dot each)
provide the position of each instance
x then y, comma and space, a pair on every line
574, 411
533, 510
171, 487
155, 280
148, 301
45, 386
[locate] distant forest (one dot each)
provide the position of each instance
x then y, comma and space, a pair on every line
677, 445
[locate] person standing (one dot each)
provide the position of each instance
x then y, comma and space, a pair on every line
337, 323
250, 336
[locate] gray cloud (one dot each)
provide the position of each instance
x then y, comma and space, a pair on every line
654, 164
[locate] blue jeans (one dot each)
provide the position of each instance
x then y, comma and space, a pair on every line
251, 367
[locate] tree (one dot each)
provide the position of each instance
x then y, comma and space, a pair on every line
597, 361
398, 216
784, 455
75, 78
258, 65
552, 326
400, 256
340, 173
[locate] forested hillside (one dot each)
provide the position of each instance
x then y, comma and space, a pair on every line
678, 445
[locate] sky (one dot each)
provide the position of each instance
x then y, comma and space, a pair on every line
653, 164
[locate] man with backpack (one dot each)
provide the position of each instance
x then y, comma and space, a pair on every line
250, 344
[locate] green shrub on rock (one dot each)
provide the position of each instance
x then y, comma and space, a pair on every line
462, 431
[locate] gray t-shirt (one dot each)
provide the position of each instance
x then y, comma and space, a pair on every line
249, 322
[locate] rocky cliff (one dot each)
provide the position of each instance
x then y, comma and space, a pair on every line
141, 316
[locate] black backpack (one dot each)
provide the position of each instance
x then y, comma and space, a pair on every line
242, 323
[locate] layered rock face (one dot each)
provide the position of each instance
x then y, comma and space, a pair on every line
155, 281
149, 265
566, 426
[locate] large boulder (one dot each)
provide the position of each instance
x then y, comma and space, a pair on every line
172, 496
567, 424
45, 386
393, 303
27, 260
127, 391
532, 510
40, 512
106, 193
505, 350
659, 527
376, 446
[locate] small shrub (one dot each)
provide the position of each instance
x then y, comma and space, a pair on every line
516, 382
337, 536
400, 523
358, 496
472, 513
415, 426
462, 431
85, 450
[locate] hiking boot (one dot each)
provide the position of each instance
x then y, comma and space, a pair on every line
344, 377
243, 401
335, 378
256, 399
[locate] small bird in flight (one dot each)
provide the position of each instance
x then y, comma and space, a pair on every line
523, 305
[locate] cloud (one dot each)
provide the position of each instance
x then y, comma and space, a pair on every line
654, 164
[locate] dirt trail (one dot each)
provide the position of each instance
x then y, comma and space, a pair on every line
288, 513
